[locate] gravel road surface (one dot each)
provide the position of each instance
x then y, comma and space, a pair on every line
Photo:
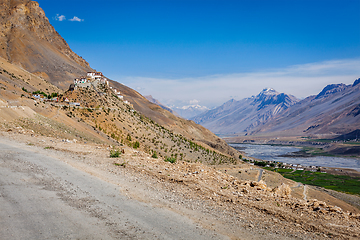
44, 198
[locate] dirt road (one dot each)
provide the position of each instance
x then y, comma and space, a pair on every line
56, 189
44, 198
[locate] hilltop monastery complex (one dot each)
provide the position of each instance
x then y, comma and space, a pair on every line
92, 78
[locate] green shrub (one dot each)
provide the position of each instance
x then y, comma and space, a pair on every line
128, 137
154, 155
136, 145
120, 164
170, 160
54, 94
260, 163
41, 93
115, 153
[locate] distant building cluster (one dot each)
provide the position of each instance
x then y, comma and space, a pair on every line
117, 93
95, 79
44, 98
92, 79
55, 99
274, 164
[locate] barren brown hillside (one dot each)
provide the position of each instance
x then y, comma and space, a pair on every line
28, 40
163, 117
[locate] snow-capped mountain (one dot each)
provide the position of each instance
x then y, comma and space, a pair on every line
335, 110
244, 115
190, 111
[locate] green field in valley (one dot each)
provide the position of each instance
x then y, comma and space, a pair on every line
339, 183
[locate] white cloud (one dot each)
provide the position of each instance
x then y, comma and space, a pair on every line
76, 19
60, 18
298, 80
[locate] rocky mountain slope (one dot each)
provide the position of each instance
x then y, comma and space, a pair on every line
241, 117
335, 110
28, 40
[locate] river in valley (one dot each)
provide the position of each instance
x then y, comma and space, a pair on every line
272, 153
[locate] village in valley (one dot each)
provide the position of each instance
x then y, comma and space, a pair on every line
94, 80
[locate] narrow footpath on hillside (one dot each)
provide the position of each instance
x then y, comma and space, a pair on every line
260, 174
304, 193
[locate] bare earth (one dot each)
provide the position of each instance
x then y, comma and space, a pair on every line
56, 189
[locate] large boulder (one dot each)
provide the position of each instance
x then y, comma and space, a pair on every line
283, 190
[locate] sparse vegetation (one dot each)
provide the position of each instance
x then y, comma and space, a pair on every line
53, 95
154, 155
40, 92
120, 122
115, 153
260, 163
136, 145
128, 137
170, 159
120, 164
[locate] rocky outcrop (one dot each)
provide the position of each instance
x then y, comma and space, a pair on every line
283, 190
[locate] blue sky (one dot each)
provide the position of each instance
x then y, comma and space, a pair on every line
211, 51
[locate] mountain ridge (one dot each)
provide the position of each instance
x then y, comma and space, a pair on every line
335, 110
157, 102
242, 116
189, 111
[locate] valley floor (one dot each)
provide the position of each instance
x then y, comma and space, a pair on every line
310, 147
54, 188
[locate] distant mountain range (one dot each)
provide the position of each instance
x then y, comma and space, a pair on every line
243, 116
186, 112
190, 111
157, 102
335, 110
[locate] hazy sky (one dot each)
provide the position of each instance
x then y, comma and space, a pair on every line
208, 52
